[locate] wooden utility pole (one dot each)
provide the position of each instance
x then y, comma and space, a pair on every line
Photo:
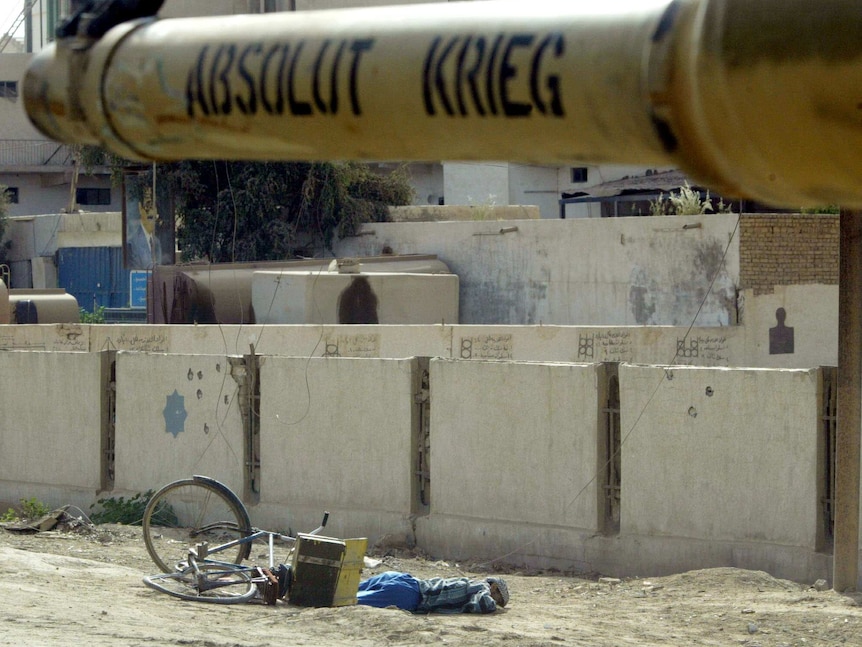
849, 430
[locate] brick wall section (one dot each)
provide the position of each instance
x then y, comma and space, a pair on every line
787, 249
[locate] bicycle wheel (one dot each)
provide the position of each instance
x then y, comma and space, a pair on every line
221, 584
191, 511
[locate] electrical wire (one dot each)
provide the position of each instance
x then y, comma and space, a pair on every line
624, 438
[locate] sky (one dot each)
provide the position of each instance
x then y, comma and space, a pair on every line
9, 11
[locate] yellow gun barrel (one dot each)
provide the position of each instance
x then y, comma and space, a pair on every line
759, 100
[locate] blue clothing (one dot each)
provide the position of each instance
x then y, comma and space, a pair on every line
437, 595
390, 589
455, 595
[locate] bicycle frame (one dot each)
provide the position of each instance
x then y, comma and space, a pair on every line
202, 550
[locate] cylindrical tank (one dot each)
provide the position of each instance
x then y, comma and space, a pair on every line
43, 306
5, 313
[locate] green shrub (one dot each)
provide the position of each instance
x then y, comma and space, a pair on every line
31, 508
95, 317
120, 509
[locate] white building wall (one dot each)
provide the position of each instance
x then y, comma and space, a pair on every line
578, 272
476, 183
427, 180
186, 8
535, 185
15, 123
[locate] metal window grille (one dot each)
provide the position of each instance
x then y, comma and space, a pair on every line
829, 420
109, 431
9, 89
613, 477
86, 196
423, 454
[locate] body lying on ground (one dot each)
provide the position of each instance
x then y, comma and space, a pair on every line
435, 595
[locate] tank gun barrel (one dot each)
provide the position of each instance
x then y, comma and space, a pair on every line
759, 100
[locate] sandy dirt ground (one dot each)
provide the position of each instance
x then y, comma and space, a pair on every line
84, 588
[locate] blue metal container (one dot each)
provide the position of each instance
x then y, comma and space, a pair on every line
95, 276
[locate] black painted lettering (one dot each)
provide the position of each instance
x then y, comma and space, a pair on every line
301, 78
426, 77
336, 66
504, 75
195, 86
489, 78
552, 81
319, 103
440, 78
473, 73
282, 79
220, 101
508, 73
358, 47
248, 104
224, 79
297, 108
459, 75
264, 82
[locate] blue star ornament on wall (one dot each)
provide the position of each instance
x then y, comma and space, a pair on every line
175, 413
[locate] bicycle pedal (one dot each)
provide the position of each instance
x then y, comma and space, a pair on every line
267, 586
284, 575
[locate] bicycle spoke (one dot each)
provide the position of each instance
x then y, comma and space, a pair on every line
214, 583
192, 511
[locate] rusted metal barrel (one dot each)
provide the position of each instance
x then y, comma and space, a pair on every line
760, 100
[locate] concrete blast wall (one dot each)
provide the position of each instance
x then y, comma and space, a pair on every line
618, 271
337, 435
51, 427
176, 415
479, 459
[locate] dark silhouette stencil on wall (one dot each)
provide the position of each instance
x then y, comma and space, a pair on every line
357, 304
780, 336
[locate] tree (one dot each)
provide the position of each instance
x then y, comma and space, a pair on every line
254, 211
250, 211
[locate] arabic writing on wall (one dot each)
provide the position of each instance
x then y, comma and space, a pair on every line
360, 345
608, 345
487, 347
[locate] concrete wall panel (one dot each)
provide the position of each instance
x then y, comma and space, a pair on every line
713, 454
50, 430
514, 442
336, 434
177, 415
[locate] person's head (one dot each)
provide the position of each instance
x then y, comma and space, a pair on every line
499, 590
